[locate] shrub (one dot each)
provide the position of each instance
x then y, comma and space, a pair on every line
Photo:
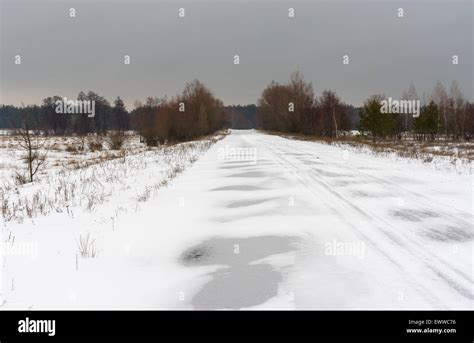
151, 137
71, 148
95, 145
86, 246
21, 179
116, 139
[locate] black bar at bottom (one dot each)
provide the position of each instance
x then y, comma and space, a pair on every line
412, 325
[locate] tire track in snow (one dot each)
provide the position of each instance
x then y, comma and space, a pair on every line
418, 253
395, 188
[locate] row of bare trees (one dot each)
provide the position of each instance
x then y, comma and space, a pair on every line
293, 107
193, 113
455, 118
289, 107
443, 115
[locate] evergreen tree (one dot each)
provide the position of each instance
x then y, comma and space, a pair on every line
120, 114
374, 121
427, 122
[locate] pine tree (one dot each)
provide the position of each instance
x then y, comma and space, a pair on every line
427, 122
120, 114
368, 117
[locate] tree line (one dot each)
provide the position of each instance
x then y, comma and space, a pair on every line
443, 115
193, 113
45, 118
289, 107
293, 107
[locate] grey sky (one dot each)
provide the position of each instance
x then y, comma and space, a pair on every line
63, 55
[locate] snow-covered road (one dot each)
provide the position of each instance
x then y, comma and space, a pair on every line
358, 231
369, 232
260, 221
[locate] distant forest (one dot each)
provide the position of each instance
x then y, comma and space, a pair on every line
292, 107
114, 116
108, 116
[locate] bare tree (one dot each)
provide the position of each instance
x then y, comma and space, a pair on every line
411, 94
302, 95
332, 111
440, 97
32, 144
287, 107
457, 102
469, 123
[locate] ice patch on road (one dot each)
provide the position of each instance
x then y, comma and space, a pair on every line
241, 283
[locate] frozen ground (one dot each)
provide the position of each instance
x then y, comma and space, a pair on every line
259, 221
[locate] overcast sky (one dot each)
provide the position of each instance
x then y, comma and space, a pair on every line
62, 55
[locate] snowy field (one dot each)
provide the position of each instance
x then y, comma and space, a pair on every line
252, 221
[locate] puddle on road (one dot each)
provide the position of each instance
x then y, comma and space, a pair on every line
239, 284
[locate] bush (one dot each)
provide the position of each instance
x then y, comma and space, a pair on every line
116, 139
151, 137
21, 179
71, 148
86, 246
95, 145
